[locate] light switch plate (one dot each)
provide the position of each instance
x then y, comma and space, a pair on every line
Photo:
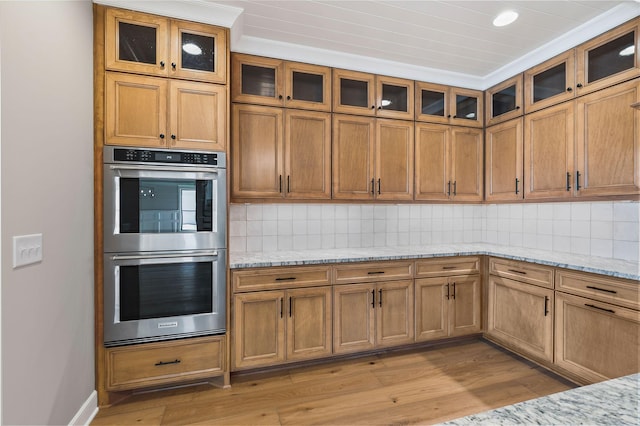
27, 249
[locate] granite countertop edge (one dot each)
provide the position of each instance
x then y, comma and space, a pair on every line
598, 265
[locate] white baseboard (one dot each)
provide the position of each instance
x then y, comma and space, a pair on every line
87, 412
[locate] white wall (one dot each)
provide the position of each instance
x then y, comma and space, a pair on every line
47, 187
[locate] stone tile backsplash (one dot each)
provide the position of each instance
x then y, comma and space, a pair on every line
607, 229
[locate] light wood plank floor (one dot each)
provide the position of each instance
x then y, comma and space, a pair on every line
427, 385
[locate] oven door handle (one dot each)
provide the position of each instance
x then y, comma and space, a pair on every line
163, 168
171, 255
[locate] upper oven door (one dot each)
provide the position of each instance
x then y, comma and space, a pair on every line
151, 208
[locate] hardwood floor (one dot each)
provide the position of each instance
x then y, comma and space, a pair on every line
427, 385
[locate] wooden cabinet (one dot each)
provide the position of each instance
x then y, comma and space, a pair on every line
164, 363
504, 100
594, 340
447, 296
266, 81
611, 290
367, 94
608, 141
448, 163
148, 44
372, 158
280, 153
436, 103
550, 82
504, 177
160, 113
271, 327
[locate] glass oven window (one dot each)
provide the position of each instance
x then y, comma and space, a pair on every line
165, 290
166, 205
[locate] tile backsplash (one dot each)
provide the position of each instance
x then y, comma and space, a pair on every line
607, 229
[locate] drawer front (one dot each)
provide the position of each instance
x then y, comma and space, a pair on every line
372, 271
278, 278
152, 364
522, 271
446, 266
611, 290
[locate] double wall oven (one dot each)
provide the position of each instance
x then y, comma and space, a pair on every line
164, 244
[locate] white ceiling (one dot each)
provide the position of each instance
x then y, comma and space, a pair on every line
438, 41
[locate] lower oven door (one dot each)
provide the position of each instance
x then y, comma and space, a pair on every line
160, 296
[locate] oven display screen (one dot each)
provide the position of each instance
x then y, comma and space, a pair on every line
167, 157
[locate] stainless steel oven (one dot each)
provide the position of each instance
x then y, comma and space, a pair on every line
163, 295
163, 200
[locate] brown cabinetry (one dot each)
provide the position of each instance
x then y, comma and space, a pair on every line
148, 44
504, 100
372, 158
266, 81
447, 298
280, 153
504, 178
449, 163
436, 103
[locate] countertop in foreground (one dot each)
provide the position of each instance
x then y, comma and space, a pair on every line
598, 265
613, 402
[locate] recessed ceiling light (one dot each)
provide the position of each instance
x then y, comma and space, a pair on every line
505, 18
192, 49
628, 51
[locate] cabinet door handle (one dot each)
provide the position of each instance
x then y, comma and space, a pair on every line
285, 278
373, 298
447, 291
546, 302
161, 135
280, 183
373, 107
579, 85
161, 64
280, 97
373, 186
380, 297
599, 308
602, 289
449, 188
161, 363
569, 89
173, 65
454, 291
515, 271
288, 98
379, 187
517, 182
281, 306
290, 306
455, 185
577, 180
288, 183
568, 181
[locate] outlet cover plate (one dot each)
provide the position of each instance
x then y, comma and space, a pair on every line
27, 249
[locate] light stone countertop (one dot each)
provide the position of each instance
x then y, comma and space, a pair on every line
613, 402
598, 265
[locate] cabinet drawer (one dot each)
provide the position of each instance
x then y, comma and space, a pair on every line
277, 278
522, 271
612, 290
447, 266
153, 364
372, 271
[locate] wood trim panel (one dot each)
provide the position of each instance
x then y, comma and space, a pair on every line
274, 278
372, 272
448, 266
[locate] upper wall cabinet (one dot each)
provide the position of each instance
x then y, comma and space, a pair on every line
436, 103
608, 59
549, 83
504, 101
367, 94
274, 82
149, 44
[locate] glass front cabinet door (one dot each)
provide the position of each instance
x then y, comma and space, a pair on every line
147, 44
504, 101
354, 92
437, 103
608, 59
550, 83
394, 98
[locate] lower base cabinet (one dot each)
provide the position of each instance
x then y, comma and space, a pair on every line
521, 316
595, 340
163, 363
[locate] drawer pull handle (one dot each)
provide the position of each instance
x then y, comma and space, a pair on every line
602, 289
161, 363
373, 298
602, 309
515, 271
454, 291
375, 272
285, 279
447, 291
446, 268
546, 302
380, 297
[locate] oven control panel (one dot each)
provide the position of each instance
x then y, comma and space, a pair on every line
172, 157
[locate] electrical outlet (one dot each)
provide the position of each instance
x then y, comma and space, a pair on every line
27, 249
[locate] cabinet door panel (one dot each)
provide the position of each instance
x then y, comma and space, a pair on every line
432, 309
503, 161
354, 318
257, 151
197, 117
467, 107
504, 101
394, 319
595, 340
394, 160
256, 80
309, 320
258, 324
608, 141
394, 98
307, 86
353, 140
548, 152
465, 303
466, 164
136, 110
550, 83
432, 169
432, 103
353, 92
209, 60
521, 315
308, 154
